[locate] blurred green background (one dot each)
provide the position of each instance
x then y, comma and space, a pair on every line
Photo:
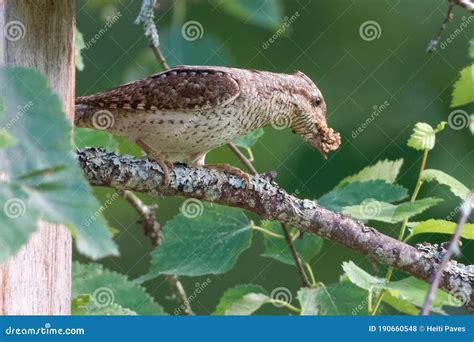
355, 75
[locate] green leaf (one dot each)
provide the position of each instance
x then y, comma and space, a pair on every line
386, 212
400, 305
85, 137
242, 300
360, 277
247, 141
386, 170
456, 187
414, 291
463, 92
410, 290
355, 192
79, 45
442, 227
59, 193
202, 239
265, 13
342, 298
6, 139
308, 246
424, 136
84, 305
106, 288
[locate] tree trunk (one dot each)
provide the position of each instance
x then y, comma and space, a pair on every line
37, 281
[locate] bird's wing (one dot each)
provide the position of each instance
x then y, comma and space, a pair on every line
179, 89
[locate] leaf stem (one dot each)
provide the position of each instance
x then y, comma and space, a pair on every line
266, 231
419, 183
311, 274
278, 302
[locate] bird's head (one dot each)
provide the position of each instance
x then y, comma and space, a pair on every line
308, 117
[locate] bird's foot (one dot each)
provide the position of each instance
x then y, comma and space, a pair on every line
165, 165
231, 170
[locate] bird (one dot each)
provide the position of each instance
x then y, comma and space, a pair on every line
180, 114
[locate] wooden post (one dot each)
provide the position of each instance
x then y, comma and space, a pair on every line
37, 281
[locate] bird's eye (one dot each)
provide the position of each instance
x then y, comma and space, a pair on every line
317, 100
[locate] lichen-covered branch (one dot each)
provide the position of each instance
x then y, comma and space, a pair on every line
268, 200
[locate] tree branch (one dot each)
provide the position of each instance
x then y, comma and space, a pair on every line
466, 4
268, 200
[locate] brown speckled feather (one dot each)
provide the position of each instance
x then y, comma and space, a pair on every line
178, 89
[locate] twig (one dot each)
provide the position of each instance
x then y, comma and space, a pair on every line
269, 201
178, 290
466, 209
466, 4
151, 227
248, 164
147, 16
288, 239
435, 41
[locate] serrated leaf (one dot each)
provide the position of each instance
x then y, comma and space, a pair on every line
242, 300
424, 136
442, 227
386, 212
360, 277
307, 247
342, 298
356, 192
107, 287
248, 140
202, 239
78, 46
410, 290
83, 305
265, 13
57, 194
463, 92
414, 291
85, 137
456, 187
386, 170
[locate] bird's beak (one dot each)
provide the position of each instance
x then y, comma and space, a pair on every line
323, 154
